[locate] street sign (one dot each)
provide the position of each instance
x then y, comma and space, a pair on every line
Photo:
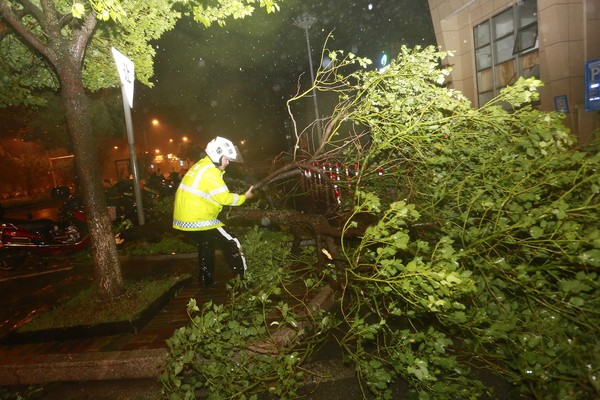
561, 104
592, 85
126, 73
125, 68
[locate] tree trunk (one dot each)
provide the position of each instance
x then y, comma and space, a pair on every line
107, 270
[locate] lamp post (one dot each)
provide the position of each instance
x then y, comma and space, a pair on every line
155, 123
305, 22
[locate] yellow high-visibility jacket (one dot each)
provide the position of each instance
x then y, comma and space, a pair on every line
201, 196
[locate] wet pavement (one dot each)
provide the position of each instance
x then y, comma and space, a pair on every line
154, 333
126, 366
122, 366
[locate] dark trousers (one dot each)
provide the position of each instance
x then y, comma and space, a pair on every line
206, 242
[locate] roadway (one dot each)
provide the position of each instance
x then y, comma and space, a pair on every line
41, 281
42, 209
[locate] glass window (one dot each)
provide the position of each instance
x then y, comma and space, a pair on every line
527, 12
530, 60
503, 49
506, 74
503, 24
485, 80
533, 72
483, 57
485, 97
526, 39
530, 65
482, 34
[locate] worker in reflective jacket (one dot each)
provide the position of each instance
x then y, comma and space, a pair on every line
200, 198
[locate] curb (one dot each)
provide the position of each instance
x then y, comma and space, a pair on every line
157, 257
84, 367
104, 329
117, 365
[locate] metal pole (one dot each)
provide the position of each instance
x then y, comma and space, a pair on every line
133, 159
305, 22
145, 138
52, 165
52, 169
314, 90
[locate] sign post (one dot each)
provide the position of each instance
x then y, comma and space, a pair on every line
125, 68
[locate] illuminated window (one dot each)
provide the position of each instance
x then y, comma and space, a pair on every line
506, 47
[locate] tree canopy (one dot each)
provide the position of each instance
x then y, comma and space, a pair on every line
128, 26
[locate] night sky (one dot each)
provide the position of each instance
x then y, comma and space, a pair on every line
235, 81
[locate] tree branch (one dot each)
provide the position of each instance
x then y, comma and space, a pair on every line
14, 20
86, 31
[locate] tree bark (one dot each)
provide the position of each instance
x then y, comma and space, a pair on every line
107, 270
64, 50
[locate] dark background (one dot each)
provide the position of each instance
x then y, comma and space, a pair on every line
234, 81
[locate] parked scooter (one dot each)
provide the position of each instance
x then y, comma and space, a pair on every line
21, 238
162, 186
121, 198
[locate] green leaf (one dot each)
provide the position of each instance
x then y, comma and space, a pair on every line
591, 257
78, 10
536, 232
574, 286
578, 301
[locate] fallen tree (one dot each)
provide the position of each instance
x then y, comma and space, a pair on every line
466, 240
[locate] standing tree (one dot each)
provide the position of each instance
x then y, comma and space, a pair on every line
62, 45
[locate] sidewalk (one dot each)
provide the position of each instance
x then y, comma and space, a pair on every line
126, 366
127, 355
122, 366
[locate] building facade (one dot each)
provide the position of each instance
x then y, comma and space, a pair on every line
496, 41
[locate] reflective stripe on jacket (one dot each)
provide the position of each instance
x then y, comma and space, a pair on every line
201, 196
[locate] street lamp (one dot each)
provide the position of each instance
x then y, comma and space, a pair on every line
155, 123
305, 22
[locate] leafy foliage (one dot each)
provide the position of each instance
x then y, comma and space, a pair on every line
483, 253
222, 351
208, 14
508, 259
23, 74
128, 26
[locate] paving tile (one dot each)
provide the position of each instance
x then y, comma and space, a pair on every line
151, 336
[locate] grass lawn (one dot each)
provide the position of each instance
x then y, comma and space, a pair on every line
85, 308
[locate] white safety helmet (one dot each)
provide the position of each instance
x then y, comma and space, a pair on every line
219, 147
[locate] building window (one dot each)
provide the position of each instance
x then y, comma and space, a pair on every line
506, 47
